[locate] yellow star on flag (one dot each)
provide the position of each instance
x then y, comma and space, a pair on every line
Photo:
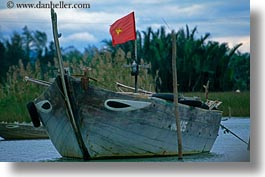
118, 31
123, 29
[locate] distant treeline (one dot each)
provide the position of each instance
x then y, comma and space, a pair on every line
198, 59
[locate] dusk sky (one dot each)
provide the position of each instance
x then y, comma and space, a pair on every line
226, 20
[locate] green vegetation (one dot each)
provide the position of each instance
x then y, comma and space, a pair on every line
16, 93
238, 103
198, 60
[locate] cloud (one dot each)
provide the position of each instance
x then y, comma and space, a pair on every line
234, 40
82, 37
12, 20
82, 16
191, 10
74, 20
17, 18
71, 19
150, 2
219, 18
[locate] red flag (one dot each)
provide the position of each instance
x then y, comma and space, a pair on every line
123, 30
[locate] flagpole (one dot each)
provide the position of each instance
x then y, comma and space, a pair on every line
136, 75
123, 30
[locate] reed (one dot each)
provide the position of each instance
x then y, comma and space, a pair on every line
238, 103
109, 70
16, 93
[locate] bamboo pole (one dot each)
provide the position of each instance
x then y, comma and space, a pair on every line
136, 75
206, 87
36, 81
66, 96
131, 88
175, 91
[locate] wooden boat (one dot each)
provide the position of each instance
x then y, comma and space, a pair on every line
21, 131
115, 125
85, 121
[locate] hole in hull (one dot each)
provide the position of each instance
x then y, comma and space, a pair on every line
125, 105
116, 104
44, 106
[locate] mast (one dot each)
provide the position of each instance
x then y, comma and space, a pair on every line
175, 91
65, 92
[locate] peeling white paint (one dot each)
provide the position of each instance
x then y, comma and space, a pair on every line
41, 109
131, 105
183, 126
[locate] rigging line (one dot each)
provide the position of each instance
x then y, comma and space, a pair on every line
166, 23
229, 131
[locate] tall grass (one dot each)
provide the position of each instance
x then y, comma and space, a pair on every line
16, 93
108, 70
233, 103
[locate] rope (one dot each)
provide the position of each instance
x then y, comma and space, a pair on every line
229, 131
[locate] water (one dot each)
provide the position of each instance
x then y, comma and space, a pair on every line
227, 148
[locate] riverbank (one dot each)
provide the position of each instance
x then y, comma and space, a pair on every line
234, 104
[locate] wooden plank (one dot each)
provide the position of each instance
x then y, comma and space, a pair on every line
19, 131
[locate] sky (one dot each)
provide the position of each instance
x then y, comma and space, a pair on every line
226, 20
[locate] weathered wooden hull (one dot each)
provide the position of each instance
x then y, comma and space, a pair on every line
148, 130
16, 131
